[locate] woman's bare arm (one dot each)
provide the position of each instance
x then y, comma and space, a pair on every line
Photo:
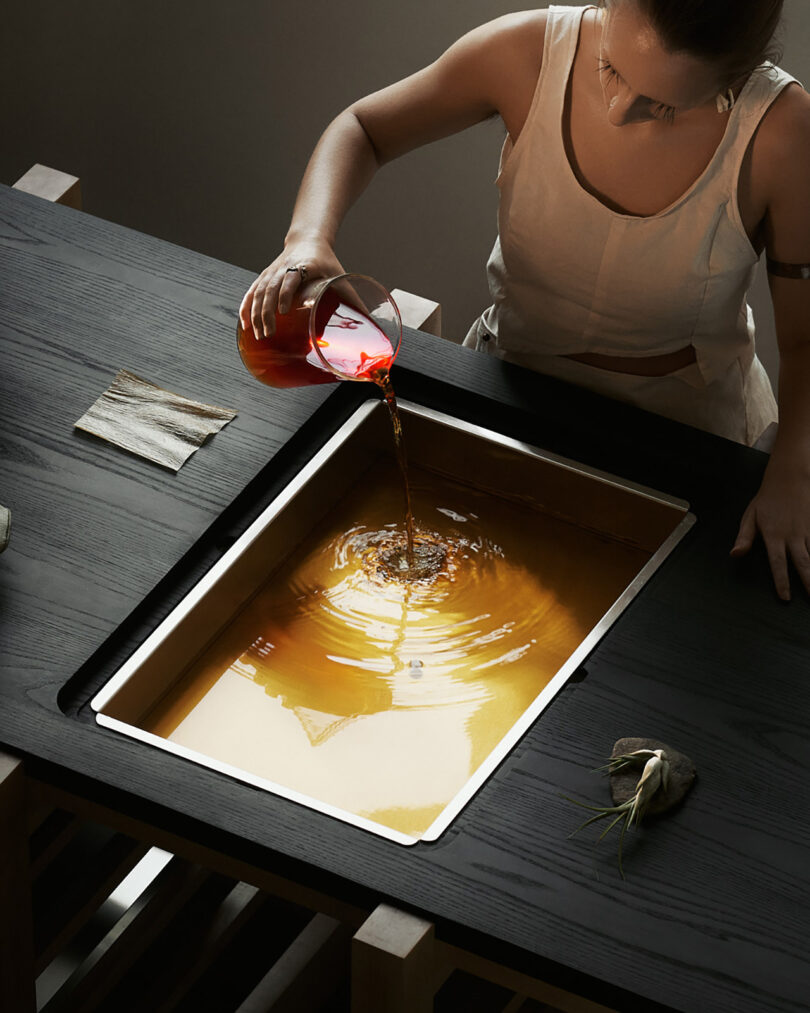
491, 70
780, 512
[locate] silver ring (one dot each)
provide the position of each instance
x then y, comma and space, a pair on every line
300, 268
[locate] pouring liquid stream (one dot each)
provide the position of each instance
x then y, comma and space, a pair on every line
358, 348
347, 344
383, 381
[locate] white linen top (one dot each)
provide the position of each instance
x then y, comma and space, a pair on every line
569, 275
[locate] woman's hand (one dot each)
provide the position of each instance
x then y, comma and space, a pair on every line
275, 287
780, 512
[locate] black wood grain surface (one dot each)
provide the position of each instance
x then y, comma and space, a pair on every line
714, 914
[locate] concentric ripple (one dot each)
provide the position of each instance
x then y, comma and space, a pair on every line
463, 608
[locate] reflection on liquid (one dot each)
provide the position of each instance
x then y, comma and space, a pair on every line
382, 696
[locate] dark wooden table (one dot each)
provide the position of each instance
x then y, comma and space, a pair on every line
714, 914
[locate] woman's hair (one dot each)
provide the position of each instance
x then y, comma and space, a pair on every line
738, 35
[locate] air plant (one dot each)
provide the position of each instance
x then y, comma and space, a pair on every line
655, 771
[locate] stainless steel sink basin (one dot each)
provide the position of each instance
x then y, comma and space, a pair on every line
299, 665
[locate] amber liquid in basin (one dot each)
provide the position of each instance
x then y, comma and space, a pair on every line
380, 695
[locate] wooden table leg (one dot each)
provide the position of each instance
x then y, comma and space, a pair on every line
53, 185
17, 983
393, 958
417, 312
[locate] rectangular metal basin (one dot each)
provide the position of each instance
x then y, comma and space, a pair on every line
297, 665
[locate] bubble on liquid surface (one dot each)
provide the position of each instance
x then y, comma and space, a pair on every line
415, 668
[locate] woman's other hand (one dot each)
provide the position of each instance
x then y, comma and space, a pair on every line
275, 287
780, 513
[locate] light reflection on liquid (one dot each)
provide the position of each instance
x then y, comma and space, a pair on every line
383, 696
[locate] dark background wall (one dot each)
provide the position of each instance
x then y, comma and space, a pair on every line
193, 120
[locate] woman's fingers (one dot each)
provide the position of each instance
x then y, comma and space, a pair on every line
290, 281
777, 559
272, 292
778, 555
801, 560
746, 533
264, 303
780, 514
256, 310
267, 310
245, 307
274, 289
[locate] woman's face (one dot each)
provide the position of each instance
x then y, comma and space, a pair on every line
643, 81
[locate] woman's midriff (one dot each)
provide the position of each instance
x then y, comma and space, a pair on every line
652, 365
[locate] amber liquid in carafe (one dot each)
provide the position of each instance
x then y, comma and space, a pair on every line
347, 340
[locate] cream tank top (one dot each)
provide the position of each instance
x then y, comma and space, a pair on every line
569, 275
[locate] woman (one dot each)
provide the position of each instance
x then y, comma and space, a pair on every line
651, 156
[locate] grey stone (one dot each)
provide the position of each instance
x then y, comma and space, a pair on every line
681, 777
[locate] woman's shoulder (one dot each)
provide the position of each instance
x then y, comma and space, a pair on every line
515, 42
518, 35
783, 137
789, 114
526, 30
779, 156
508, 55
520, 23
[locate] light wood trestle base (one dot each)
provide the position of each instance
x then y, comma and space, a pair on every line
63, 856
